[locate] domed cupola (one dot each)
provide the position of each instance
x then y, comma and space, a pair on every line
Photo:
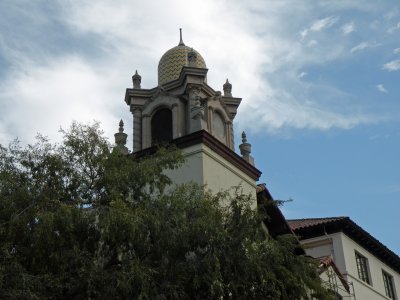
171, 63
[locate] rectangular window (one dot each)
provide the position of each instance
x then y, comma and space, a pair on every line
389, 285
362, 267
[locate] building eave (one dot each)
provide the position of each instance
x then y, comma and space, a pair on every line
276, 222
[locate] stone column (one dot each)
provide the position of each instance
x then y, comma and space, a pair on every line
137, 129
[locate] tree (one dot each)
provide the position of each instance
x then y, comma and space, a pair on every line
79, 221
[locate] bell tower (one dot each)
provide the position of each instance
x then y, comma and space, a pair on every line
185, 110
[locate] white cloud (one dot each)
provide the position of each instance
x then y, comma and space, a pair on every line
364, 45
323, 23
396, 51
43, 98
319, 25
263, 60
280, 109
312, 43
303, 33
302, 74
348, 28
381, 88
393, 65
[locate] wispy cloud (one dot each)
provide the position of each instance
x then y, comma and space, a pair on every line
348, 28
381, 88
396, 51
392, 14
319, 25
302, 74
391, 66
323, 23
394, 28
364, 45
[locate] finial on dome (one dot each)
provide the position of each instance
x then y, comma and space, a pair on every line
181, 43
136, 79
227, 89
121, 126
244, 138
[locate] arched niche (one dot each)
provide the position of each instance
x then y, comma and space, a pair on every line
161, 126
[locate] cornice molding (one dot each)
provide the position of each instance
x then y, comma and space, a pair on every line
203, 137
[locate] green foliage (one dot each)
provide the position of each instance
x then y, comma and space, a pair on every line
78, 221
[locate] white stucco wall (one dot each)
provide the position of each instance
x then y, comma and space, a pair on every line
209, 169
365, 291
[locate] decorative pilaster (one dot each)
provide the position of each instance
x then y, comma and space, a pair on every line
137, 129
231, 143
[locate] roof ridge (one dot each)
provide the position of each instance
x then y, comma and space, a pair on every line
325, 218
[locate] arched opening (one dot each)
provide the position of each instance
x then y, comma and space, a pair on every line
161, 127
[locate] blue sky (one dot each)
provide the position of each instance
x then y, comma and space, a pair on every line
319, 82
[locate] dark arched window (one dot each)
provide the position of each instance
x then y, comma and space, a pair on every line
161, 127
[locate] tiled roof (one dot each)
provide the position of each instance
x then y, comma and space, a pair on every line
171, 63
314, 227
304, 223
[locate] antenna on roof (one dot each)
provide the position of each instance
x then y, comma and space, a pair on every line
181, 43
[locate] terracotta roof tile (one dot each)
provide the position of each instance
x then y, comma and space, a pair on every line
304, 223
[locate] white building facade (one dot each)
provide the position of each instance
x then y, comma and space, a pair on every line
370, 268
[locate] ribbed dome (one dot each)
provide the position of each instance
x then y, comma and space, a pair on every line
173, 60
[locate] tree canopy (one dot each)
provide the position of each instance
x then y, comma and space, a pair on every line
80, 221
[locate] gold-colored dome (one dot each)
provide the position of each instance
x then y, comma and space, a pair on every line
171, 63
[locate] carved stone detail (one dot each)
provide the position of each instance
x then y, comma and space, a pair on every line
136, 80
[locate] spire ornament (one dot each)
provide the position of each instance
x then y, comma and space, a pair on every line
227, 88
120, 140
245, 149
136, 80
181, 43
